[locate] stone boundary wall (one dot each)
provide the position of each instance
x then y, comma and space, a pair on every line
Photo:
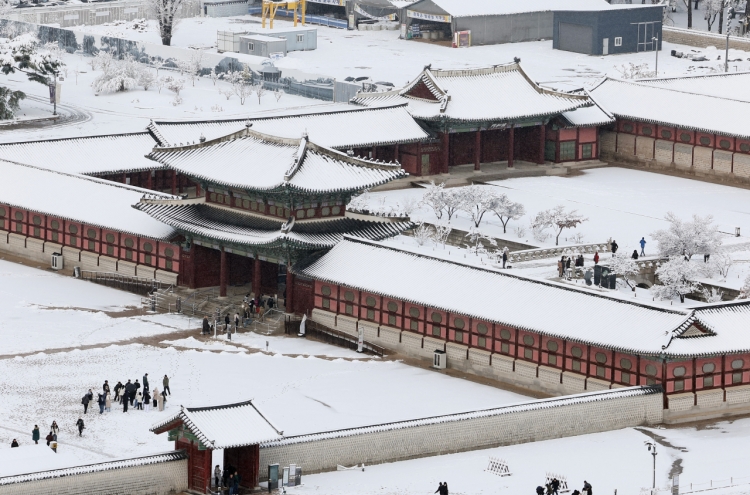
678, 158
156, 478
38, 250
702, 39
529, 422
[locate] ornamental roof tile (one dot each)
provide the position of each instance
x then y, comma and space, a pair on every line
263, 163
93, 155
79, 198
217, 427
509, 94
225, 225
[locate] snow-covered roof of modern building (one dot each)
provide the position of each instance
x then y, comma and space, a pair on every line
730, 86
264, 163
74, 197
545, 307
224, 225
94, 155
473, 8
497, 93
223, 427
335, 126
667, 107
171, 456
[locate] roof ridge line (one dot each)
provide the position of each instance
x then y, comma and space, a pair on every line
119, 134
580, 290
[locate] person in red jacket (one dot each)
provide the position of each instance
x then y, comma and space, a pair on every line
596, 258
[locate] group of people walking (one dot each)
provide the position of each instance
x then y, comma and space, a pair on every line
51, 438
252, 307
552, 487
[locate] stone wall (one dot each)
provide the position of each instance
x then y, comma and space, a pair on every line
702, 39
113, 478
679, 158
528, 422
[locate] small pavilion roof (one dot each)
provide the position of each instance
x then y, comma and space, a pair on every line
224, 225
79, 198
497, 93
545, 307
335, 126
672, 108
92, 155
264, 163
223, 427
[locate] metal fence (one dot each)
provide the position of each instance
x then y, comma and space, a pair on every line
329, 335
138, 285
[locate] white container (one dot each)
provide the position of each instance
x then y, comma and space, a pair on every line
439, 360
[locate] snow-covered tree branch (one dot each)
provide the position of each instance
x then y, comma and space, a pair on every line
677, 279
558, 219
687, 238
625, 267
507, 210
167, 15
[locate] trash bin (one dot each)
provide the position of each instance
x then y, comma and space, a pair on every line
439, 360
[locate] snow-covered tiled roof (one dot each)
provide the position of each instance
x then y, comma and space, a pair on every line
731, 86
587, 117
174, 455
472, 8
226, 426
497, 93
334, 126
225, 225
662, 106
93, 201
728, 323
534, 405
94, 155
260, 162
541, 306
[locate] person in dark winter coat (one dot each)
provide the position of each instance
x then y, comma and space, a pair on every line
505, 257
539, 490
165, 386
80, 426
102, 401
440, 489
226, 322
49, 438
55, 430
145, 383
86, 399
136, 387
587, 490
14, 443
230, 484
206, 327
614, 246
35, 434
555, 486
237, 481
128, 391
236, 322
105, 387
118, 389
635, 254
217, 476
124, 404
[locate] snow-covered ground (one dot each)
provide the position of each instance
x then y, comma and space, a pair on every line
616, 460
383, 57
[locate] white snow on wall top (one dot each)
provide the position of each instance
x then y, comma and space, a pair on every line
79, 198
88, 155
471, 8
731, 86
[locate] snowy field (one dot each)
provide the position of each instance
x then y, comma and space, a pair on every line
616, 460
383, 57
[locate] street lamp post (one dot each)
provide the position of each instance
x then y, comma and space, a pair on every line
656, 49
726, 54
652, 448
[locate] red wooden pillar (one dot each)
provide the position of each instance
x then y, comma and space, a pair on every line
124, 178
174, 182
289, 301
256, 276
197, 189
223, 274
149, 181
446, 138
374, 152
542, 142
395, 153
511, 145
478, 151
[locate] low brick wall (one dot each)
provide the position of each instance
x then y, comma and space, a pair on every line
528, 422
160, 474
702, 39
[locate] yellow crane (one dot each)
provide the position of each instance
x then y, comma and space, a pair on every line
270, 6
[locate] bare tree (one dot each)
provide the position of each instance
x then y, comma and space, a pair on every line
193, 66
434, 197
278, 93
167, 14
507, 210
241, 84
478, 200
214, 76
558, 219
259, 90
711, 9
422, 233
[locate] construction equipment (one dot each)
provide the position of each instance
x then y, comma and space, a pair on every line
270, 6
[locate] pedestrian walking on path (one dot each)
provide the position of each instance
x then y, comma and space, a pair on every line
139, 400
105, 387
145, 383
206, 327
614, 247
55, 430
505, 256
102, 401
80, 426
165, 385
643, 246
108, 402
226, 322
88, 397
596, 258
635, 254
49, 438
160, 401
217, 474
587, 490
236, 321
118, 389
35, 434
14, 443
